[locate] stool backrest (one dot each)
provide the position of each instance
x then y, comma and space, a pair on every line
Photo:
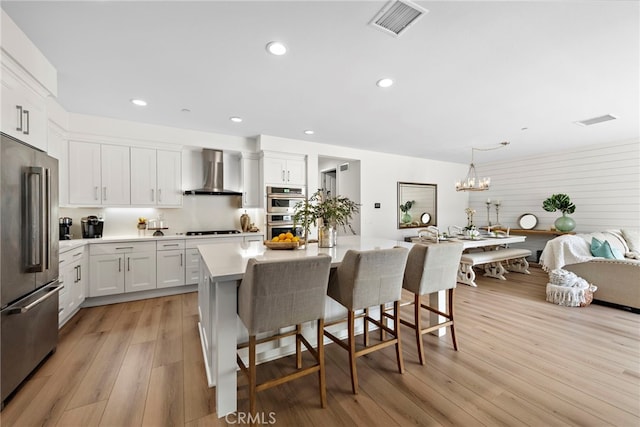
369, 278
432, 268
275, 294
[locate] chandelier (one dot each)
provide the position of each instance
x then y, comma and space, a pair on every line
471, 181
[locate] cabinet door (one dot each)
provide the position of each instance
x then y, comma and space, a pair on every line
171, 267
67, 278
169, 178
250, 182
140, 271
23, 112
84, 173
296, 172
143, 177
82, 269
115, 174
106, 275
274, 170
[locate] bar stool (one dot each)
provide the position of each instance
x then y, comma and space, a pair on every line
276, 294
366, 279
432, 268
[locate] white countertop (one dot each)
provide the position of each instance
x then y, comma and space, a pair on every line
66, 245
228, 261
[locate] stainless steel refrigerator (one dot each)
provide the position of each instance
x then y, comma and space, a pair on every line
29, 261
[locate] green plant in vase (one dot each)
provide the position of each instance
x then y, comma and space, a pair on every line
332, 211
562, 203
405, 208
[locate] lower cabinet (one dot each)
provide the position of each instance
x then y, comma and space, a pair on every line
122, 267
171, 263
73, 266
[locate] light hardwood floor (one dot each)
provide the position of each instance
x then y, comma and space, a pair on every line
522, 361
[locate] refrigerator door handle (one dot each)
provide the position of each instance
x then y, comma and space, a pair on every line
51, 292
46, 225
33, 219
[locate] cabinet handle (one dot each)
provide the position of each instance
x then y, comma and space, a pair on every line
288, 176
95, 192
26, 131
128, 264
119, 265
283, 175
152, 196
124, 247
79, 273
159, 195
104, 193
19, 121
181, 260
77, 268
170, 245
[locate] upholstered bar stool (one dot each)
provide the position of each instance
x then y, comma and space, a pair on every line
277, 294
432, 268
366, 279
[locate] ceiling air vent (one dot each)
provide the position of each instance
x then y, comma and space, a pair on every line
396, 16
596, 120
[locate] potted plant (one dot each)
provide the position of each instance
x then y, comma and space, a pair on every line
405, 207
562, 203
332, 211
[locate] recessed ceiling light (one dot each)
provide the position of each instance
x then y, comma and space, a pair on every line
235, 119
309, 132
139, 102
386, 82
276, 48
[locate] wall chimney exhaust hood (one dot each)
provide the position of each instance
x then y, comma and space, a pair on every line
213, 169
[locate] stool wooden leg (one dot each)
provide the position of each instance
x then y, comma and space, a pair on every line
351, 342
321, 372
452, 327
396, 327
298, 350
383, 321
252, 374
366, 327
417, 311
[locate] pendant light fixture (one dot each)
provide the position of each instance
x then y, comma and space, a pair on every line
471, 181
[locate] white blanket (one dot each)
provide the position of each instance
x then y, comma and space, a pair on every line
564, 250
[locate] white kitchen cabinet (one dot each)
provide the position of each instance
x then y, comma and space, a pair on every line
117, 268
171, 263
24, 113
73, 266
156, 177
284, 169
250, 169
99, 174
192, 272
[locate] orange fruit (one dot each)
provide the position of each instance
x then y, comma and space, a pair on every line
282, 236
289, 235
275, 239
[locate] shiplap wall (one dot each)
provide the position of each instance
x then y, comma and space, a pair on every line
603, 181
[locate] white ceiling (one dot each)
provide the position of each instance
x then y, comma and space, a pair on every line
468, 74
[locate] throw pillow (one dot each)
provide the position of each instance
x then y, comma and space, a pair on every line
633, 239
603, 250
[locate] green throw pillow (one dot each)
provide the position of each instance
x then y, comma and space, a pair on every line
603, 249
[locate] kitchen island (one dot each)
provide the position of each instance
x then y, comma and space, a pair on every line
221, 270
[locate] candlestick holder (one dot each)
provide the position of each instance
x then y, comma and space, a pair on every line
497, 224
488, 213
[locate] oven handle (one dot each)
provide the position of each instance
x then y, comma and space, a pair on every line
286, 196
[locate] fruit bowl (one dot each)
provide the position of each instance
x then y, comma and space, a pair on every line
283, 245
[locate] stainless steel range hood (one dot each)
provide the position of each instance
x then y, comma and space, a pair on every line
213, 169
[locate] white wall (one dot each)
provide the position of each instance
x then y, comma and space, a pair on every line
602, 180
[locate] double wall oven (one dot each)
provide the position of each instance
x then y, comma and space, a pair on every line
281, 202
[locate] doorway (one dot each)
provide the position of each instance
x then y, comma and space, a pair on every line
341, 177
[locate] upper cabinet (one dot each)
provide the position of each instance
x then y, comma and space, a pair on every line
284, 169
250, 167
23, 112
99, 174
156, 177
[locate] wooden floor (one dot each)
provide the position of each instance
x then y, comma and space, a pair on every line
522, 361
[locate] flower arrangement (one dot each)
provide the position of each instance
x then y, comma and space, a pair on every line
470, 212
559, 202
407, 206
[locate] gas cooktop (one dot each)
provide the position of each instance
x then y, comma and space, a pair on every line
208, 232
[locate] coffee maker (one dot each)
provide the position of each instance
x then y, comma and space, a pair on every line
65, 228
92, 227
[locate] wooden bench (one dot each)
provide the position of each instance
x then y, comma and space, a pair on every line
515, 260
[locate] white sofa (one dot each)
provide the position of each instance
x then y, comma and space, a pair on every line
618, 280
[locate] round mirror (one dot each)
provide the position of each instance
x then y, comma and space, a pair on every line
528, 221
425, 218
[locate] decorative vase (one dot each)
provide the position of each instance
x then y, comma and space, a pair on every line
406, 217
245, 222
565, 223
327, 236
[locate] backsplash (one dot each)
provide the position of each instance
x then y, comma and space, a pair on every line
197, 213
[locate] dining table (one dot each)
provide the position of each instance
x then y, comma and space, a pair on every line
222, 268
